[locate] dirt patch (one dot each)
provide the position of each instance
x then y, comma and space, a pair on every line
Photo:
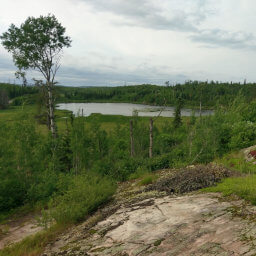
191, 179
17, 229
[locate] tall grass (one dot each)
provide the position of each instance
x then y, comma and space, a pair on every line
244, 187
236, 161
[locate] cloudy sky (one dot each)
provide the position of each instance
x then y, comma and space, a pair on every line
117, 42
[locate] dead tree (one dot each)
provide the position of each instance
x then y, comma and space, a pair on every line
151, 138
131, 138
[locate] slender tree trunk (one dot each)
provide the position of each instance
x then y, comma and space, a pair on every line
200, 113
51, 110
131, 138
151, 138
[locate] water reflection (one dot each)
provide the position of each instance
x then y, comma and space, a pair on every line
125, 109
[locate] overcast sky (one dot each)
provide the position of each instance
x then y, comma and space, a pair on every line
117, 42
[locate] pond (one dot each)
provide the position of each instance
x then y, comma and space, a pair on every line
125, 109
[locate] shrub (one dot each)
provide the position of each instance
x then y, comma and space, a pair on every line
43, 187
148, 179
159, 162
140, 172
86, 192
243, 135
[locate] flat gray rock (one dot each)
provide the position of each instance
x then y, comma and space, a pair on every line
194, 224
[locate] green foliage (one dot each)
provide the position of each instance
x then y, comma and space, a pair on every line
160, 162
36, 37
236, 161
37, 45
43, 187
242, 134
85, 193
147, 179
14, 91
34, 167
140, 172
191, 92
20, 162
244, 187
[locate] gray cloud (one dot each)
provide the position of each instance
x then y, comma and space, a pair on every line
146, 13
223, 38
70, 76
7, 69
6, 64
86, 77
100, 43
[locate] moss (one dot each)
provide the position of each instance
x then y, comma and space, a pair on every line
92, 231
158, 242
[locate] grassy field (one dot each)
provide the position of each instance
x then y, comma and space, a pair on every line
20, 113
107, 122
244, 186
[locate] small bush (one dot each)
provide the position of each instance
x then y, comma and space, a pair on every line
45, 186
148, 179
140, 172
159, 162
85, 193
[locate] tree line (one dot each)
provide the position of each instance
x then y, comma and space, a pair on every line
209, 94
192, 93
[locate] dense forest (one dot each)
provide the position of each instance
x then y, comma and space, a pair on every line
191, 92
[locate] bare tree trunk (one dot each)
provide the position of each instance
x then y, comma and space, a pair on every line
51, 110
151, 138
131, 138
191, 135
200, 113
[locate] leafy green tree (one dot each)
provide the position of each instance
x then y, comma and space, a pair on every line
37, 44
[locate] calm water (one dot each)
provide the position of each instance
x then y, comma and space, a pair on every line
125, 109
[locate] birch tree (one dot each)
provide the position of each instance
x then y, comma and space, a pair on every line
37, 44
